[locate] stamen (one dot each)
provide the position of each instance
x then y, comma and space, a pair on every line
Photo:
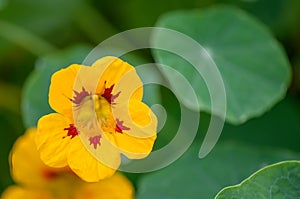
95, 141
72, 131
120, 127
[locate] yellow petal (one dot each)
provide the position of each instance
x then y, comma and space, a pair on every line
62, 89
114, 70
117, 186
16, 192
26, 166
87, 166
137, 142
133, 147
50, 140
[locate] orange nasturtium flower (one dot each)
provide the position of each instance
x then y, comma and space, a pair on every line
99, 116
38, 181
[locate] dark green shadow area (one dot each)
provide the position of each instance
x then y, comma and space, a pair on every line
279, 127
10, 127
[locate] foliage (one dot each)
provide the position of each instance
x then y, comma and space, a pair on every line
255, 49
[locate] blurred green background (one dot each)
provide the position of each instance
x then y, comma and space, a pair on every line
30, 29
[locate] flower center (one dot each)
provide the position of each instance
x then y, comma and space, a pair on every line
105, 116
92, 111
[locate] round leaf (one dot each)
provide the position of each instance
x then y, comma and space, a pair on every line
252, 64
281, 180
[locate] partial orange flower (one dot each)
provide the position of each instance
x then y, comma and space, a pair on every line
99, 115
36, 180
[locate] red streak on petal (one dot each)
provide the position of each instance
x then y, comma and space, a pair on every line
113, 97
79, 96
95, 141
108, 94
72, 131
49, 174
120, 127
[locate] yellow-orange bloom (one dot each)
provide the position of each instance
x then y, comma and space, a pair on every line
36, 180
99, 115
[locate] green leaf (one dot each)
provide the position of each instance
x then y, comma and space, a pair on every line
193, 178
253, 65
281, 180
35, 93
